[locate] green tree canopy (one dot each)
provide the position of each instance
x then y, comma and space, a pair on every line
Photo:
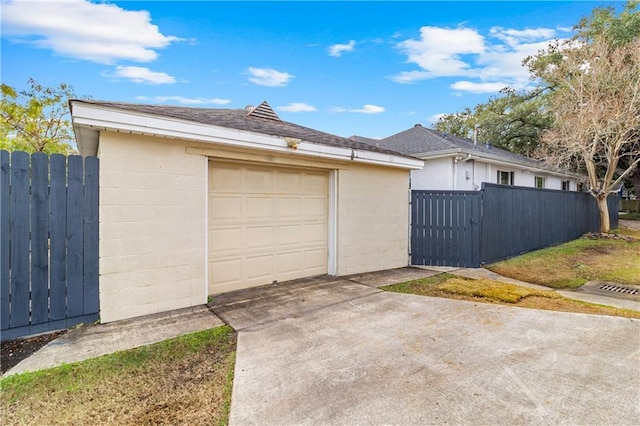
594, 95
37, 119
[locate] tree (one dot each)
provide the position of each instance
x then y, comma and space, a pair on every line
595, 98
512, 121
37, 119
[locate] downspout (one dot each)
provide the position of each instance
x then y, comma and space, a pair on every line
455, 173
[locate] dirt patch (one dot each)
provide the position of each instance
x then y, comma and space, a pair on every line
14, 351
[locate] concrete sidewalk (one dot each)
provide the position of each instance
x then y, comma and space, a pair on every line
91, 341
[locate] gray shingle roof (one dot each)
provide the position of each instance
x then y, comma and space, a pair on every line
260, 119
421, 140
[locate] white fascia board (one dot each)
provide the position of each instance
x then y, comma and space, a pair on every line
104, 118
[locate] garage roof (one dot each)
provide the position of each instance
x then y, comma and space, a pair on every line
261, 119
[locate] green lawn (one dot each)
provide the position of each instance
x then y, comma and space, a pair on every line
186, 380
572, 264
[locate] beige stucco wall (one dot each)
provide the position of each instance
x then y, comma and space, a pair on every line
152, 226
373, 219
153, 198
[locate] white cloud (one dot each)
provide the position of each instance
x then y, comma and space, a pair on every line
369, 109
97, 32
187, 101
338, 49
487, 62
473, 87
140, 75
366, 109
438, 51
297, 107
411, 76
269, 77
514, 37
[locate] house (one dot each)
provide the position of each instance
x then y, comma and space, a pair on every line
458, 164
196, 202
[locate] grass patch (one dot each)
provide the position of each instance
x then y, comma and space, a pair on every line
572, 264
488, 291
186, 380
629, 215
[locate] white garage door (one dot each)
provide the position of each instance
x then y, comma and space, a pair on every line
266, 224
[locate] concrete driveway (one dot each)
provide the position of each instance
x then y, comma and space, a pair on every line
341, 352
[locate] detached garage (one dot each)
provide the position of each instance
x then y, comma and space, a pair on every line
195, 202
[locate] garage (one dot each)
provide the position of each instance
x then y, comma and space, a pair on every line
196, 202
265, 224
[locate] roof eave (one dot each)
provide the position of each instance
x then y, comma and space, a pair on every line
89, 119
495, 159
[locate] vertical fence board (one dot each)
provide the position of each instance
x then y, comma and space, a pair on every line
75, 238
49, 242
469, 228
91, 233
19, 239
39, 238
4, 240
58, 237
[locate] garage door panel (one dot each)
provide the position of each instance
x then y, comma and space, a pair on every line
224, 208
265, 224
258, 180
315, 259
314, 207
314, 233
289, 182
225, 178
258, 207
316, 184
258, 237
288, 207
258, 267
225, 240
226, 272
288, 262
289, 235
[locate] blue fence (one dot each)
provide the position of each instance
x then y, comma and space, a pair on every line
471, 228
49, 243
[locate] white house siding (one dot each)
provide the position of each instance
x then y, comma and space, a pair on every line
152, 225
436, 175
448, 175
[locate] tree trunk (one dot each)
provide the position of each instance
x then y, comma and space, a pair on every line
635, 179
603, 208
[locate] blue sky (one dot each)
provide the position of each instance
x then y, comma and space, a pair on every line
348, 68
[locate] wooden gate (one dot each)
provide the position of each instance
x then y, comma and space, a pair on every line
49, 243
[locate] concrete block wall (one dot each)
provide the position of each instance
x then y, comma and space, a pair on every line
152, 226
373, 219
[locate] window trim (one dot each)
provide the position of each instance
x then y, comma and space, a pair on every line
510, 177
542, 180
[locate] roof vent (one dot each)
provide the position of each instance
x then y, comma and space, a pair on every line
418, 125
249, 108
264, 111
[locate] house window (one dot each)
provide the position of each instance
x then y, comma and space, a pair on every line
505, 178
566, 186
540, 181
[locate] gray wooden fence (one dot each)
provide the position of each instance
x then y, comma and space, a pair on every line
471, 228
49, 242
